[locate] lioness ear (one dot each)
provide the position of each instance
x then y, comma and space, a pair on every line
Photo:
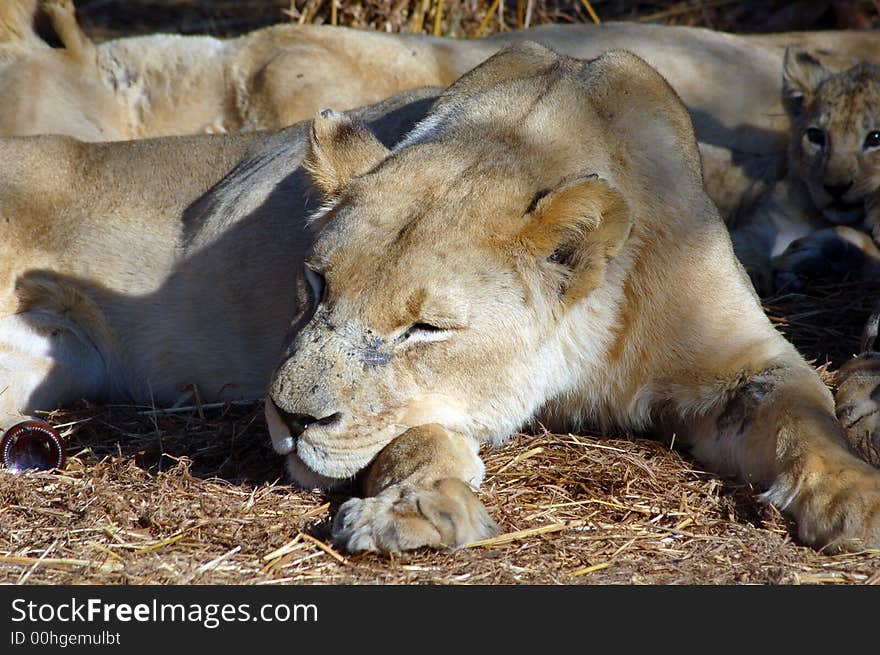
339, 150
801, 76
574, 231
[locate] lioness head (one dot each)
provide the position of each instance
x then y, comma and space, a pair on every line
444, 269
835, 144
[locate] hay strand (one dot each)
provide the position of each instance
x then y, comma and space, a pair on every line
487, 17
590, 569
523, 534
592, 12
438, 19
327, 549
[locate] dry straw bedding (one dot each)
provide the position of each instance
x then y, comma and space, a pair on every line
197, 496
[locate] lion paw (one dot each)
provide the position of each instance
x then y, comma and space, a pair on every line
858, 405
849, 520
824, 256
404, 517
837, 507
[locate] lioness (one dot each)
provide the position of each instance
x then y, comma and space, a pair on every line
166, 84
820, 220
539, 247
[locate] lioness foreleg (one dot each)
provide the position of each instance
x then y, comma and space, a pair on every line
419, 493
779, 431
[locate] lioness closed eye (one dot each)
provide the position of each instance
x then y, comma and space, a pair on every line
539, 246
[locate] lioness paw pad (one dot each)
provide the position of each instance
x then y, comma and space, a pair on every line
404, 517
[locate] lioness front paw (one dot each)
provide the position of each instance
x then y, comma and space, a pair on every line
838, 506
404, 517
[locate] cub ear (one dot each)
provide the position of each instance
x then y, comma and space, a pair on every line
574, 231
801, 76
340, 149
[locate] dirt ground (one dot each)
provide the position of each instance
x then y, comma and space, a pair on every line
195, 494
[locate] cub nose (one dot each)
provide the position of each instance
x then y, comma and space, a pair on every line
836, 191
298, 423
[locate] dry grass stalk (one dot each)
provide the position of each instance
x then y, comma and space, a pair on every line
592, 12
523, 534
438, 18
590, 569
487, 17
327, 549
682, 8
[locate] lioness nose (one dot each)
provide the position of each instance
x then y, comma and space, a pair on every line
299, 423
836, 191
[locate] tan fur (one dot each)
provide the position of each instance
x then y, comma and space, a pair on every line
858, 394
107, 249
77, 45
806, 225
339, 150
420, 485
16, 31
440, 294
56, 91
167, 84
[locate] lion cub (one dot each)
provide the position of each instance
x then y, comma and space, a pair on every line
821, 220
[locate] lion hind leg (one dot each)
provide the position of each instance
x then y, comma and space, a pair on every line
45, 363
16, 20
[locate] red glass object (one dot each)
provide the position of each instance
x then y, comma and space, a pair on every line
31, 445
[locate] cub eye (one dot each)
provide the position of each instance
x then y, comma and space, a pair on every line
815, 136
317, 283
872, 140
